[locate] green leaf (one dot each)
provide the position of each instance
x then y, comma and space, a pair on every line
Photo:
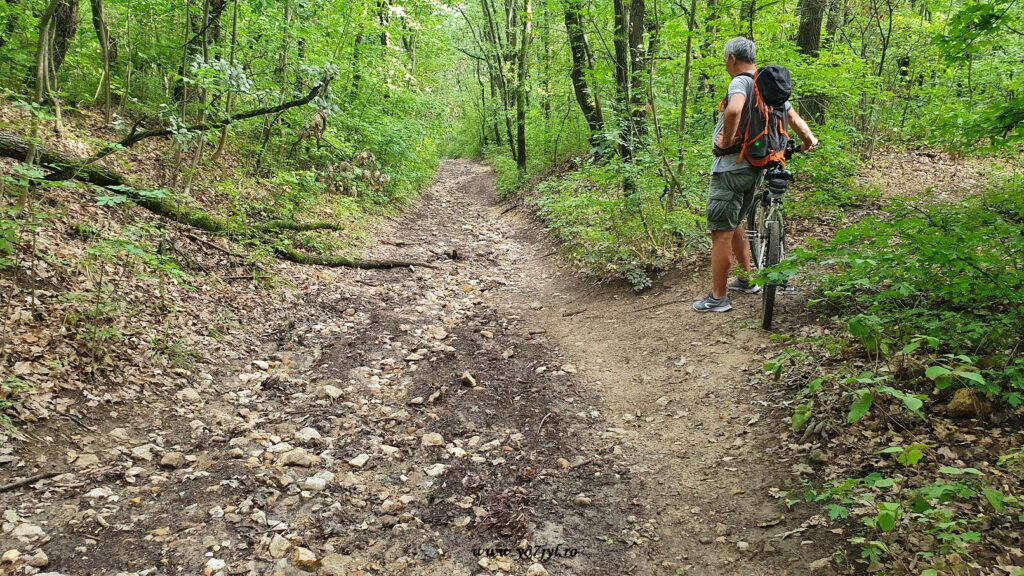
802, 415
960, 471
837, 512
886, 521
111, 200
913, 403
995, 498
910, 348
934, 372
861, 405
972, 376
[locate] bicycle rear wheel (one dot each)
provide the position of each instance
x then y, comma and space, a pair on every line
774, 243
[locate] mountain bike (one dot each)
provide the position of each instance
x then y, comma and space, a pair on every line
766, 229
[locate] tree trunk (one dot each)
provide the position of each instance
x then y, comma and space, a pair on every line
837, 10
579, 49
629, 67
808, 36
691, 24
521, 76
12, 146
808, 39
227, 104
620, 40
637, 68
707, 46
103, 35
42, 74
65, 24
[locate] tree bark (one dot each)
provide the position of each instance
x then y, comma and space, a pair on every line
579, 49
65, 24
808, 39
620, 41
691, 25
629, 67
99, 22
521, 77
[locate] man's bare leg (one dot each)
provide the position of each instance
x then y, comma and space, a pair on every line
741, 249
721, 260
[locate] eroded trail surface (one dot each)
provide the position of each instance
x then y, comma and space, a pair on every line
445, 420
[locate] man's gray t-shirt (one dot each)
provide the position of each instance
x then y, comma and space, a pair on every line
740, 84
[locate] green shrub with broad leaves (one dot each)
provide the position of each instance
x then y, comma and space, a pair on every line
943, 280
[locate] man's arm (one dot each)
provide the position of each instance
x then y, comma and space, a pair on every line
802, 130
733, 112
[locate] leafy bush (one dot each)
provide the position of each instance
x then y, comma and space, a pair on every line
947, 275
613, 234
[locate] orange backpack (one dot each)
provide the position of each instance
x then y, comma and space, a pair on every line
762, 129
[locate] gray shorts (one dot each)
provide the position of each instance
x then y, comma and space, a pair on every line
730, 196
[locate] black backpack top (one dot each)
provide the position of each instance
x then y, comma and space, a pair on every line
774, 84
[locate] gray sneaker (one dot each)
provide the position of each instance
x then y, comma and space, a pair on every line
712, 304
745, 286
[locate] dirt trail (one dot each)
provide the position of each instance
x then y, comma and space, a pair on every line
628, 429
681, 395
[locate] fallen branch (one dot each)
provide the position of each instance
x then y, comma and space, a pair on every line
344, 261
26, 481
16, 147
134, 137
66, 166
297, 226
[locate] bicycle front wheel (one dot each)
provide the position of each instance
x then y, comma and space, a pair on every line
774, 245
756, 232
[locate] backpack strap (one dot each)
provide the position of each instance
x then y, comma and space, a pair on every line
738, 147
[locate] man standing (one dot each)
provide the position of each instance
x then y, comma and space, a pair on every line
734, 180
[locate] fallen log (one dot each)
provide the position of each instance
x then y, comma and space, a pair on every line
293, 226
16, 147
299, 257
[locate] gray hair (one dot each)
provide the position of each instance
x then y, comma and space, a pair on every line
743, 49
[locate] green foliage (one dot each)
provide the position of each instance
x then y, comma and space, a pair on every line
613, 234
908, 456
10, 387
904, 279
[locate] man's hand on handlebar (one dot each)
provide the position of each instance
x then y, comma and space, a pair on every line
809, 145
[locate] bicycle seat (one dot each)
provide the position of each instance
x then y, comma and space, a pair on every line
778, 173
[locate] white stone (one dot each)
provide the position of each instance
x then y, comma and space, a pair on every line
27, 532
99, 493
279, 546
435, 470
432, 439
188, 395
308, 434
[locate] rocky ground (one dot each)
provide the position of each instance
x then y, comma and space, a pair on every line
491, 414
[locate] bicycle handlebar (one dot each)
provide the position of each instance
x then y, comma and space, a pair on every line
792, 148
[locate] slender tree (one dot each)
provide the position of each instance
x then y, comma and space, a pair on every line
582, 65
